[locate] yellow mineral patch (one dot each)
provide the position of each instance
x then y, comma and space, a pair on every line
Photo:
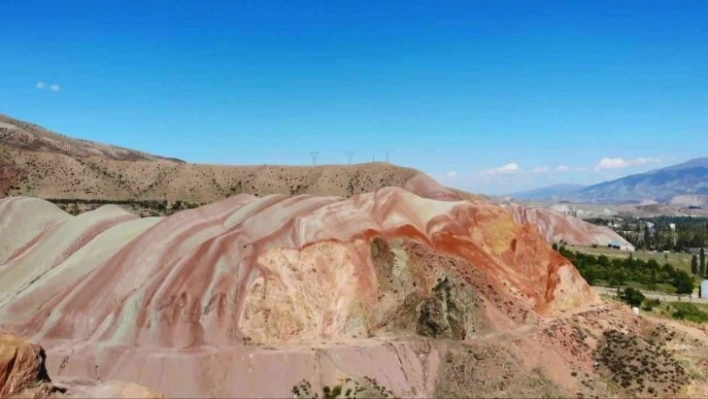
497, 229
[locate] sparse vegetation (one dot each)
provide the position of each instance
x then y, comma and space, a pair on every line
149, 207
639, 367
649, 304
366, 387
479, 371
689, 311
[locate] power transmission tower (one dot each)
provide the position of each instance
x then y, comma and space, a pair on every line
314, 157
350, 154
387, 157
373, 158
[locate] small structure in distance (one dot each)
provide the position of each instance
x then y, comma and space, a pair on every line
620, 245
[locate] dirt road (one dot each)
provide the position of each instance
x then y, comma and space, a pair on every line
653, 295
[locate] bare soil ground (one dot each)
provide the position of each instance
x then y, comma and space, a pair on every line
58, 176
38, 163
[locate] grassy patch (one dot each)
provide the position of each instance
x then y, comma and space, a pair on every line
689, 311
660, 287
697, 313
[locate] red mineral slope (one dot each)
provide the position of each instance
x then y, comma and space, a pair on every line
209, 301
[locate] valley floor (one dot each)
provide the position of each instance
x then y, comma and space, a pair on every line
654, 295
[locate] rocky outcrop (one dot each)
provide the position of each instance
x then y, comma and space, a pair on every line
21, 366
23, 375
449, 311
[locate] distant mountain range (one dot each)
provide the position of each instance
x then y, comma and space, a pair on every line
556, 191
661, 185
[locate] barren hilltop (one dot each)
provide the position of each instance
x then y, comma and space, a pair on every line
38, 163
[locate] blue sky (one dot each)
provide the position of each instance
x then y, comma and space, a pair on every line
477, 94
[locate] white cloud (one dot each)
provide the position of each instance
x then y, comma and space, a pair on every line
562, 168
507, 169
53, 87
611, 163
619, 163
540, 169
452, 173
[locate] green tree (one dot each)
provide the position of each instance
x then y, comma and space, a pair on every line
683, 282
702, 267
628, 262
632, 296
603, 261
694, 265
617, 277
653, 264
554, 246
652, 279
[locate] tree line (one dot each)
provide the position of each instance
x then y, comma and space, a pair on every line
698, 264
617, 272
